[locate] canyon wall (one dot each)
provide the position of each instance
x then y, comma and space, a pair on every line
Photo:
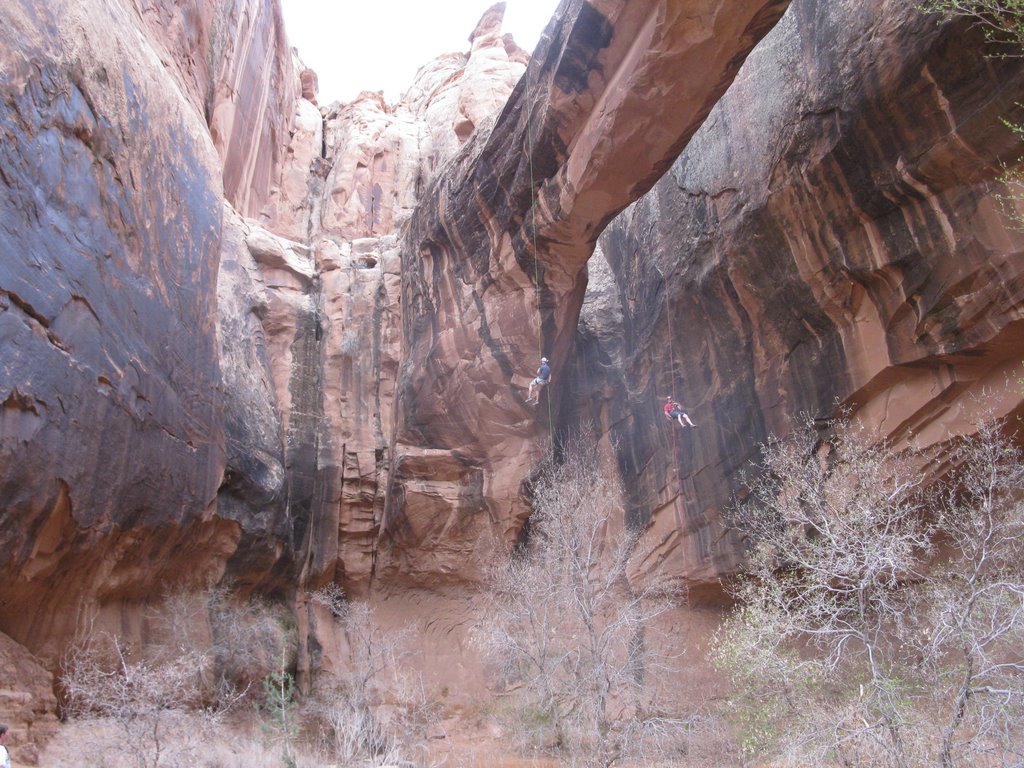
253, 340
112, 430
831, 236
206, 300
351, 176
231, 64
111, 420
405, 492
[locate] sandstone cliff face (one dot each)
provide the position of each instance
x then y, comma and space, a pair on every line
830, 234
362, 341
111, 422
26, 701
383, 157
112, 397
184, 395
249, 102
232, 64
361, 497
374, 153
293, 201
352, 174
263, 284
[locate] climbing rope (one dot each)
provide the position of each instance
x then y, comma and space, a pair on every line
671, 344
536, 253
672, 368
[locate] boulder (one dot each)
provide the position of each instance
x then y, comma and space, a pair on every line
27, 702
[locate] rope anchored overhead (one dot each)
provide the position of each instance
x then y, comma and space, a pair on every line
536, 251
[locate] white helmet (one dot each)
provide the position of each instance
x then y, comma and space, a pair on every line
543, 359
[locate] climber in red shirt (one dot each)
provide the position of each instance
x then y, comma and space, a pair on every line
674, 410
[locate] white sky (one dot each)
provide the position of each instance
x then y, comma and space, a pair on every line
372, 45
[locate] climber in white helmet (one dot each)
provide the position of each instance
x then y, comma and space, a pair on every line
540, 380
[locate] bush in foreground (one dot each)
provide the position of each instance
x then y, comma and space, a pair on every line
567, 625
881, 622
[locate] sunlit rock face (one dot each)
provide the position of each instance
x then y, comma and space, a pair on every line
374, 154
382, 157
351, 176
27, 701
249, 103
493, 259
358, 169
831, 235
232, 65
293, 201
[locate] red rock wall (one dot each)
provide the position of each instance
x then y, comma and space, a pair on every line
27, 702
110, 421
830, 235
232, 63
362, 339
112, 408
337, 394
353, 173
250, 100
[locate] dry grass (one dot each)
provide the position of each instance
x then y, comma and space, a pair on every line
196, 740
238, 741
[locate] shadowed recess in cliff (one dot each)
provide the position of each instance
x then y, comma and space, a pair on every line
305, 417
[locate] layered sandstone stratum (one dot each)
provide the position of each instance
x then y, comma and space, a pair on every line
248, 339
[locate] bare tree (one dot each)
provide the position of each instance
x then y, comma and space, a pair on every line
973, 630
1001, 20
860, 641
208, 649
565, 621
372, 677
250, 640
241, 641
101, 679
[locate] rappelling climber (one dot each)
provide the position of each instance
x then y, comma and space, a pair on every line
541, 380
674, 411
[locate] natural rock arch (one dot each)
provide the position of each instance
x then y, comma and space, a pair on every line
611, 96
